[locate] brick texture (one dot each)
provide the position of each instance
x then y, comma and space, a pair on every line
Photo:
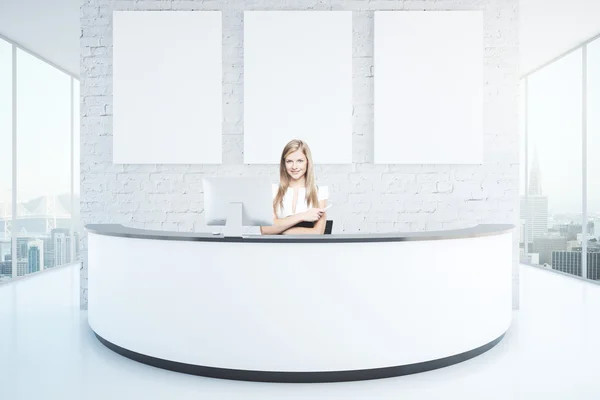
367, 197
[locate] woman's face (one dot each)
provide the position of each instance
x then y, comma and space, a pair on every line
295, 164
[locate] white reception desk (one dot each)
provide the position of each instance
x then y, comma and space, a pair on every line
300, 308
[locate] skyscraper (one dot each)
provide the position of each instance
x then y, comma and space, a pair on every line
5, 248
570, 262
6, 265
534, 206
22, 267
546, 245
48, 252
22, 247
35, 255
68, 240
33, 259
535, 177
61, 240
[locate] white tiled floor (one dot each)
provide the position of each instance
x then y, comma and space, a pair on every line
47, 351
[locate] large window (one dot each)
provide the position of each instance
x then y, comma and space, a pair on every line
593, 156
558, 206
43, 226
76, 228
522, 166
5, 159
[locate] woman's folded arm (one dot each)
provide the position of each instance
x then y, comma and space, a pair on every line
281, 224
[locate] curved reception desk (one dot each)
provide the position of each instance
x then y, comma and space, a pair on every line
300, 308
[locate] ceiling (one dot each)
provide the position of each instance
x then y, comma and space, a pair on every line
548, 28
50, 28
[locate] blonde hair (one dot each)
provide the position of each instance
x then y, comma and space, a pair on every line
309, 176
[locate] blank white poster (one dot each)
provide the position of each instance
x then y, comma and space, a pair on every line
298, 84
167, 74
428, 87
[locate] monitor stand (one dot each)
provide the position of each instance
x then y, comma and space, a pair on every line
233, 225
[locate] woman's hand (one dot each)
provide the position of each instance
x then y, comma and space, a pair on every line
312, 215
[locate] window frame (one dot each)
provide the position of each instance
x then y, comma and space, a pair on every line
584, 147
74, 224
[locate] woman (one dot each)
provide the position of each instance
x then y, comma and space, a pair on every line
297, 199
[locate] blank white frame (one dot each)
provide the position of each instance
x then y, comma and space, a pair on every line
428, 94
167, 87
298, 84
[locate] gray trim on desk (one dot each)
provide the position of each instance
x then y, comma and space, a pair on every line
118, 230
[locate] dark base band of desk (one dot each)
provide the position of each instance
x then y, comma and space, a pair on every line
300, 377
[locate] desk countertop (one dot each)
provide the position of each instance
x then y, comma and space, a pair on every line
118, 230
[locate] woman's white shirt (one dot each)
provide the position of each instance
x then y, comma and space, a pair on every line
301, 206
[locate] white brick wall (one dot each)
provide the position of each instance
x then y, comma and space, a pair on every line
367, 197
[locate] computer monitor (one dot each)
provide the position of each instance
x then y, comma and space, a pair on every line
238, 201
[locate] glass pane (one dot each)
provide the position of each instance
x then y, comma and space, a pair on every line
522, 158
76, 169
593, 158
43, 165
5, 159
554, 209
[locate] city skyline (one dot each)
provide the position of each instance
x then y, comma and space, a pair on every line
555, 239
56, 247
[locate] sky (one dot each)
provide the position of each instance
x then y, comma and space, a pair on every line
43, 127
